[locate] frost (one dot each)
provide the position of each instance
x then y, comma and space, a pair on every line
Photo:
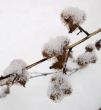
58, 78
15, 67
17, 73
59, 87
86, 58
72, 17
66, 89
78, 16
55, 93
55, 46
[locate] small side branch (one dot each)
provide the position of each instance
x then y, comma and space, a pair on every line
66, 59
70, 72
40, 75
84, 39
82, 30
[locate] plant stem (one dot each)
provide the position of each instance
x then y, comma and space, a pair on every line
84, 39
66, 59
46, 74
36, 63
68, 47
82, 30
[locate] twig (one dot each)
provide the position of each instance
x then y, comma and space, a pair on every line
44, 59
66, 59
41, 74
84, 39
36, 63
68, 47
70, 72
82, 30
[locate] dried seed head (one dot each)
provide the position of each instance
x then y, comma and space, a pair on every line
56, 65
86, 58
55, 47
59, 87
72, 17
60, 60
98, 44
66, 89
18, 75
58, 78
55, 93
89, 47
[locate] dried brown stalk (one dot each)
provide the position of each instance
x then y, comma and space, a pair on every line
36, 63
68, 47
82, 30
84, 39
65, 62
73, 27
61, 59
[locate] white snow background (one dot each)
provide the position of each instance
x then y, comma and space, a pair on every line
25, 25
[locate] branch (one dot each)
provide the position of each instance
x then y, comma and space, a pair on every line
84, 39
41, 74
82, 30
36, 63
65, 62
68, 47
44, 59
70, 72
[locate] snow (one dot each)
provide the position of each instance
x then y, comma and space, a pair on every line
55, 93
15, 67
78, 16
86, 58
59, 87
55, 46
59, 78
25, 26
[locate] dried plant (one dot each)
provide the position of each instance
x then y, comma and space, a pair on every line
60, 51
98, 44
72, 17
